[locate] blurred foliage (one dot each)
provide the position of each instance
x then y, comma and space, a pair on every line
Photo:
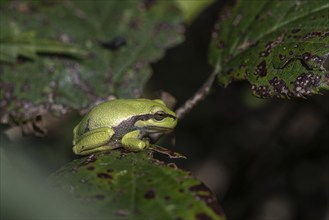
280, 47
119, 185
105, 49
23, 195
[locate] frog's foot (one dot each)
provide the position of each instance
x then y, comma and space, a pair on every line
133, 144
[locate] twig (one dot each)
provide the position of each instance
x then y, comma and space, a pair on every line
198, 96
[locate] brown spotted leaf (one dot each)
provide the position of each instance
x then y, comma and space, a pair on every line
118, 185
280, 47
120, 41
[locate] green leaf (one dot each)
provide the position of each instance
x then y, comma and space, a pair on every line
280, 47
13, 44
21, 194
117, 185
191, 8
121, 39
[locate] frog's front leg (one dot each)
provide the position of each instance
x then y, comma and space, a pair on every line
93, 141
132, 141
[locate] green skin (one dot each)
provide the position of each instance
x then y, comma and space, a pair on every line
127, 123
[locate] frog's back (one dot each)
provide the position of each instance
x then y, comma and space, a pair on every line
112, 113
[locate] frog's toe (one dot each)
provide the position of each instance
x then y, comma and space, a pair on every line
137, 146
141, 145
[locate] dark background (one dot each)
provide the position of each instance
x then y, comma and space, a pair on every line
265, 159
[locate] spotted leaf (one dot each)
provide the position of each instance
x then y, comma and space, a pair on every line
280, 47
118, 185
119, 41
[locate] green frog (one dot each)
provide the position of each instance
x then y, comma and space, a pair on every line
127, 123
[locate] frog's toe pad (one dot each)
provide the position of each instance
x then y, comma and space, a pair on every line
136, 147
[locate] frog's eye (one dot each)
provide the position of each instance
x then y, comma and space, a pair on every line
159, 115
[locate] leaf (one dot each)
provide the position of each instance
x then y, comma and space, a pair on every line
280, 47
21, 194
191, 9
117, 185
121, 40
14, 44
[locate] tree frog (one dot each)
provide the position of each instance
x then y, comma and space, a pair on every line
127, 123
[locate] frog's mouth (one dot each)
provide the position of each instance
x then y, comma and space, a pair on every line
157, 129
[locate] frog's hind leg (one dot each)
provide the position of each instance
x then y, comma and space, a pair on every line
94, 141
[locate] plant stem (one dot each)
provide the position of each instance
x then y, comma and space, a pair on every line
199, 95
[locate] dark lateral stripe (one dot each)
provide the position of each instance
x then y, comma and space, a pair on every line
170, 116
141, 117
87, 126
128, 124
148, 116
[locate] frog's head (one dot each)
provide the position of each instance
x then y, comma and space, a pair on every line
159, 118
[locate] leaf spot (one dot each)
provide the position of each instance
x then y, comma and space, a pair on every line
311, 35
104, 176
202, 216
317, 59
306, 56
262, 91
114, 44
264, 53
280, 87
282, 57
305, 83
261, 69
150, 194
90, 168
